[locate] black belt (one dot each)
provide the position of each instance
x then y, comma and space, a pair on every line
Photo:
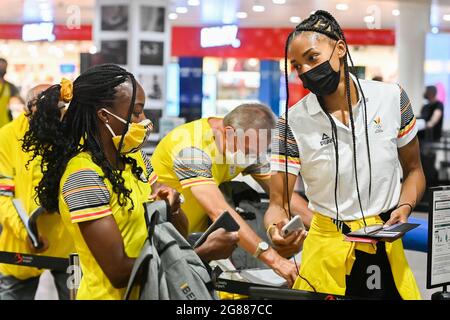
31, 260
344, 229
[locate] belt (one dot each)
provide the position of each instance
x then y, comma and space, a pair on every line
344, 228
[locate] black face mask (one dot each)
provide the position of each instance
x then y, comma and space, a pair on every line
2, 73
322, 80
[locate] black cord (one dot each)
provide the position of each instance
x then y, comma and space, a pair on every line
286, 79
130, 113
334, 136
365, 125
352, 124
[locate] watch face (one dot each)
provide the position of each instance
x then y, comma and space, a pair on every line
264, 246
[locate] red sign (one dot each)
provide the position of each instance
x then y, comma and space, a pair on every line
263, 43
61, 32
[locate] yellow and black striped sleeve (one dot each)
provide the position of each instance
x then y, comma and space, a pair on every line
284, 147
7, 186
192, 167
151, 174
86, 196
408, 128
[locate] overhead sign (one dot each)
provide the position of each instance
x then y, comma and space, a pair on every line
219, 36
38, 31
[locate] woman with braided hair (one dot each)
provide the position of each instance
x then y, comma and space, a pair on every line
93, 172
349, 139
97, 178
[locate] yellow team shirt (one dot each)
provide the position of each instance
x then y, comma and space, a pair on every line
188, 156
84, 196
4, 101
7, 90
18, 181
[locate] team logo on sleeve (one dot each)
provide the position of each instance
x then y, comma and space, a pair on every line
377, 125
325, 140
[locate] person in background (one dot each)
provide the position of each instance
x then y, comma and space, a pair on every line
7, 91
18, 179
433, 114
377, 78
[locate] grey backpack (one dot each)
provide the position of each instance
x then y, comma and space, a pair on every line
168, 268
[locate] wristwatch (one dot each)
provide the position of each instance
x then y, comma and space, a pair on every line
262, 246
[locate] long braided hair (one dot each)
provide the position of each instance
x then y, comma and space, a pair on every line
324, 23
56, 141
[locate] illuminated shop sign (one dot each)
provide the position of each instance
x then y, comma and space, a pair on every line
219, 36
38, 31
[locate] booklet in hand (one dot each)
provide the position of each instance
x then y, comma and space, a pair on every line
29, 221
381, 233
225, 220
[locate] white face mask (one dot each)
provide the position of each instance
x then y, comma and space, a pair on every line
239, 158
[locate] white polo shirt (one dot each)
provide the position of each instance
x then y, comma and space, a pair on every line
310, 150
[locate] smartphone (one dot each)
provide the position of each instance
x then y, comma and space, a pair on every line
225, 220
294, 224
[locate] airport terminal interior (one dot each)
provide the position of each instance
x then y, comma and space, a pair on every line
295, 145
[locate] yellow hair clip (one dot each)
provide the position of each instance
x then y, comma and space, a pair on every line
66, 90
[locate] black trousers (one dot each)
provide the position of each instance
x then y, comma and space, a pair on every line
371, 276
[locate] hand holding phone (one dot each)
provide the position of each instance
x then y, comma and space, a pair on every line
225, 220
295, 224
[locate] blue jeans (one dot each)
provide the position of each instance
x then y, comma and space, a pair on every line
12, 288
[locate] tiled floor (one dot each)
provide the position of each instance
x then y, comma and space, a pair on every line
418, 263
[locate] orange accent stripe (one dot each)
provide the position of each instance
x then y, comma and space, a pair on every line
153, 179
86, 215
197, 181
283, 160
83, 188
410, 127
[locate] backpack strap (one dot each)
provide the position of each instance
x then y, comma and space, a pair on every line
161, 207
140, 264
156, 212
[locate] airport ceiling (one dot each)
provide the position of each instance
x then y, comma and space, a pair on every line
276, 13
